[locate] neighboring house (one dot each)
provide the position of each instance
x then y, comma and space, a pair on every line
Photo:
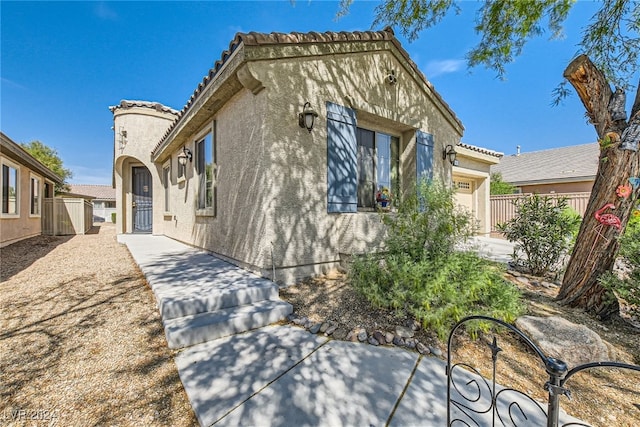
471, 177
559, 170
24, 182
260, 189
103, 198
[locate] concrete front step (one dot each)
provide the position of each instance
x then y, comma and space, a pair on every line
190, 330
208, 297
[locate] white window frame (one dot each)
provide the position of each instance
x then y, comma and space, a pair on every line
209, 130
33, 177
15, 166
166, 183
376, 132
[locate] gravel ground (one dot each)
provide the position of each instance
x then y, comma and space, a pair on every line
81, 341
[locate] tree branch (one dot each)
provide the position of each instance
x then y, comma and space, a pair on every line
594, 92
636, 102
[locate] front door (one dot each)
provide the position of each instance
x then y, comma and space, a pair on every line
142, 200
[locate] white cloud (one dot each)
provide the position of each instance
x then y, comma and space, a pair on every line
11, 83
105, 12
445, 66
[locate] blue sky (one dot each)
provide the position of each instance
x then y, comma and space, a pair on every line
64, 63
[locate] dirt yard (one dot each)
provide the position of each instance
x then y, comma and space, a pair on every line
81, 341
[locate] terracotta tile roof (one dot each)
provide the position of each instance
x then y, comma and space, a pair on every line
101, 192
481, 150
154, 105
564, 164
256, 39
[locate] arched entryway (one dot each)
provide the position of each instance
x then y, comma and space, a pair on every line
142, 200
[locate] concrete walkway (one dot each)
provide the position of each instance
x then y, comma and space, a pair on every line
283, 375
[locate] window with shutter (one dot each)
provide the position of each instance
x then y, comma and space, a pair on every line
424, 155
342, 178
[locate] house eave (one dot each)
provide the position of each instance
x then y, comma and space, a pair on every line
554, 181
225, 84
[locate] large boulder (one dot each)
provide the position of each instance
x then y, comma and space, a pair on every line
559, 338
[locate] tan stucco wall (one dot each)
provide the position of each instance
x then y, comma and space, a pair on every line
242, 195
144, 127
304, 237
475, 166
24, 225
562, 187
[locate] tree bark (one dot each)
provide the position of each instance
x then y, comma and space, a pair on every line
597, 244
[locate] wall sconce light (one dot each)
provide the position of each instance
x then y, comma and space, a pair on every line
450, 153
184, 156
307, 117
123, 138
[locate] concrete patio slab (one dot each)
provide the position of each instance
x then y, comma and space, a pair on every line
341, 384
222, 374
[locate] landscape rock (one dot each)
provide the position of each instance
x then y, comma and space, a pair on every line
315, 328
435, 351
422, 349
292, 317
413, 324
324, 327
378, 336
362, 335
522, 279
338, 333
399, 341
388, 337
404, 332
330, 330
410, 343
300, 321
309, 323
514, 273
373, 341
557, 337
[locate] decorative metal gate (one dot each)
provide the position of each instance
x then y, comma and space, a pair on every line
473, 400
142, 208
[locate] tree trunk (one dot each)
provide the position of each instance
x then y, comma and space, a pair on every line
597, 243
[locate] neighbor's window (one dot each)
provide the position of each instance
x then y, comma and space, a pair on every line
378, 164
35, 196
205, 170
110, 204
10, 189
166, 181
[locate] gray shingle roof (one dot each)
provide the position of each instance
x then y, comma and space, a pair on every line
564, 164
101, 192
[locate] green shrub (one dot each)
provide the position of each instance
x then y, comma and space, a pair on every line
113, 217
422, 276
543, 230
627, 284
427, 224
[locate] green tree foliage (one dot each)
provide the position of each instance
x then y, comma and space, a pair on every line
423, 276
50, 158
543, 230
498, 186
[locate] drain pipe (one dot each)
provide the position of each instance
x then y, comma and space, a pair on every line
273, 265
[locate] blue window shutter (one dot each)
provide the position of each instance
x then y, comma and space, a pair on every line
424, 156
342, 177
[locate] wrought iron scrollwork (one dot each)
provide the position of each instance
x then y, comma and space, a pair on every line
472, 400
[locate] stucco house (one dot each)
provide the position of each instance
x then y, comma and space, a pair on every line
472, 177
103, 198
24, 182
569, 169
275, 161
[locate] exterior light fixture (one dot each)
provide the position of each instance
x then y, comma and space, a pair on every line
450, 153
123, 138
307, 117
185, 155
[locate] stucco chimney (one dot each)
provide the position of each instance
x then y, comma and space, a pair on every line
517, 150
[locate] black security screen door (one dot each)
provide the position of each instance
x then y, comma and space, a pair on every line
142, 200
